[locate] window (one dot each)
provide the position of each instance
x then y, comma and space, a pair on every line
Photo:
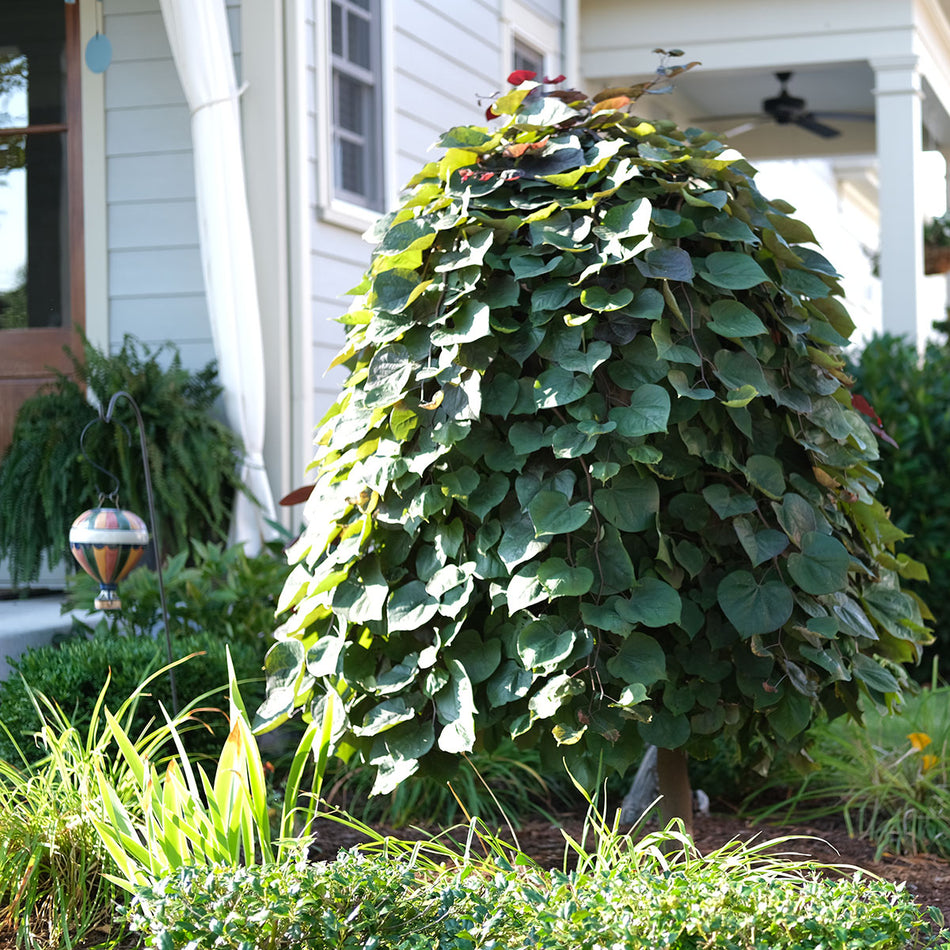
355, 102
40, 176
525, 56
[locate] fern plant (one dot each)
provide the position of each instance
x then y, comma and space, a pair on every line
45, 481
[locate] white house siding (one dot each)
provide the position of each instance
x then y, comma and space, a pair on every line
156, 287
444, 60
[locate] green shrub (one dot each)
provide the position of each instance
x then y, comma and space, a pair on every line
733, 899
45, 482
223, 592
912, 398
73, 673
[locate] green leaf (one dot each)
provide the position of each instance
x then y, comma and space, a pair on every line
542, 647
524, 589
456, 707
601, 300
395, 289
560, 579
470, 322
389, 371
760, 545
649, 411
479, 657
647, 305
668, 263
384, 716
526, 438
553, 695
511, 682
733, 319
790, 716
738, 368
665, 730
551, 513
519, 542
822, 565
765, 473
652, 603
873, 674
558, 387
754, 607
630, 503
727, 504
732, 271
798, 517
410, 606
490, 493
640, 659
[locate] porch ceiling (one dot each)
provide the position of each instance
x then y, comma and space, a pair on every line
829, 48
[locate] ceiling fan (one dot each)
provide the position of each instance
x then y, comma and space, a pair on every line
786, 109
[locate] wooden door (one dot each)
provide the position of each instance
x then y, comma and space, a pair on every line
41, 254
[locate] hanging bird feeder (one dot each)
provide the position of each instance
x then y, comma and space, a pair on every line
107, 543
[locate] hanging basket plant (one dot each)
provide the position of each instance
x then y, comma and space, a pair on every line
596, 478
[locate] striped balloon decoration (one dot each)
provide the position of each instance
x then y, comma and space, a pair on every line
108, 543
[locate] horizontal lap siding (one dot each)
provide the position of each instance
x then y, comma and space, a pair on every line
445, 55
156, 289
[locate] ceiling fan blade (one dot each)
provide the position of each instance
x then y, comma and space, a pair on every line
845, 116
744, 127
809, 122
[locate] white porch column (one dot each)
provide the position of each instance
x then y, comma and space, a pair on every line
897, 92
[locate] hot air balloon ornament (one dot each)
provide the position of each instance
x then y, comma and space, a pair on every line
107, 543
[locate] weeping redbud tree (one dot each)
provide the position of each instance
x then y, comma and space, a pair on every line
596, 478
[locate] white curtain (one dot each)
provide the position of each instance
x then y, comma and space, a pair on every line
201, 47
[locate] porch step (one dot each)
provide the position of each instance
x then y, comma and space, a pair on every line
29, 622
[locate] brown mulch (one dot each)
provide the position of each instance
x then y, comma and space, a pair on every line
927, 877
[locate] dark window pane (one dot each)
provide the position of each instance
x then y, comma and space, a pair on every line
358, 41
34, 268
526, 57
363, 4
336, 29
352, 100
32, 63
351, 167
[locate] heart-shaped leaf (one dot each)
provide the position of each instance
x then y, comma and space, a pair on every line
552, 513
752, 606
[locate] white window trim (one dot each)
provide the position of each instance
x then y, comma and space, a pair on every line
521, 22
330, 208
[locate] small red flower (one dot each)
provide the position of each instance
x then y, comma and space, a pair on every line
486, 176
555, 80
521, 75
466, 173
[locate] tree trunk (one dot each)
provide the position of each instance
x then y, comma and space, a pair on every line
673, 776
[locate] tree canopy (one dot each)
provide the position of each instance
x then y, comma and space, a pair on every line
595, 478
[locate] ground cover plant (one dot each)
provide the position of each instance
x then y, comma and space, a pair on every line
596, 478
658, 892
